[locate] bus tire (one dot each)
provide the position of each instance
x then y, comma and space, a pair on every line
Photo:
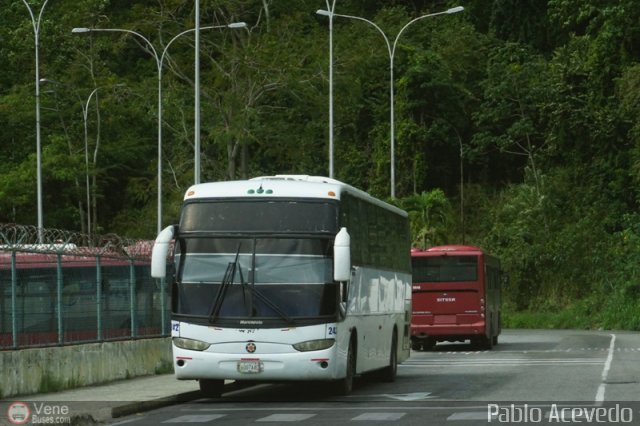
211, 388
487, 341
344, 386
389, 373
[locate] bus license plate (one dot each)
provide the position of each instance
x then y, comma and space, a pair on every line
250, 366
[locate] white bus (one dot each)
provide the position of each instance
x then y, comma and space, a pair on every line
286, 277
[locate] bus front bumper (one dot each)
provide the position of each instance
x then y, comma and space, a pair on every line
296, 366
419, 331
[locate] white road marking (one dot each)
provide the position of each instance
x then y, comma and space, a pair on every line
194, 418
337, 408
605, 370
470, 415
378, 417
414, 396
284, 417
123, 422
530, 351
499, 362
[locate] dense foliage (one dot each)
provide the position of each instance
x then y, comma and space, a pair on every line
516, 123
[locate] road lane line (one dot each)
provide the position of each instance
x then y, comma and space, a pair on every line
605, 370
471, 415
126, 421
283, 417
379, 417
500, 363
194, 418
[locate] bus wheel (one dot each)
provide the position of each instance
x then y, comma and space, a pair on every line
211, 388
388, 374
344, 386
487, 341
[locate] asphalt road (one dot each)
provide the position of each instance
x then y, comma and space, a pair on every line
530, 377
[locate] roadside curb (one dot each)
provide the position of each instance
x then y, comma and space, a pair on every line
142, 406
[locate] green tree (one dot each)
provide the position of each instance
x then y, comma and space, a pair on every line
430, 216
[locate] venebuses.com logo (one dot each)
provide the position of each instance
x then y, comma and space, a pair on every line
18, 413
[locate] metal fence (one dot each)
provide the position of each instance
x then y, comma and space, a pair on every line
59, 288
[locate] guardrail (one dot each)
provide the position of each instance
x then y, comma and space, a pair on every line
67, 288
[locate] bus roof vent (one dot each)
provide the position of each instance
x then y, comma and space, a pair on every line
304, 178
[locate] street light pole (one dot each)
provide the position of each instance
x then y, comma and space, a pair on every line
461, 188
85, 115
196, 80
36, 32
159, 69
330, 10
84, 105
391, 49
196, 84
159, 61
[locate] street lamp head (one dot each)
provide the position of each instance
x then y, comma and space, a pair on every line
323, 12
237, 25
455, 9
80, 30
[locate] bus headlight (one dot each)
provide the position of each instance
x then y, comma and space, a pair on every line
190, 344
314, 345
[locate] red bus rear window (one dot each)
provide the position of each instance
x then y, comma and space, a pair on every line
449, 268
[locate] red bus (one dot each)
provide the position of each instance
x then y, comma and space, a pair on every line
455, 296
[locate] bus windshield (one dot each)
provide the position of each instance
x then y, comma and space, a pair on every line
224, 278
435, 269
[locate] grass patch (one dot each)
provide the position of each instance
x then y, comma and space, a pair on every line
565, 319
612, 311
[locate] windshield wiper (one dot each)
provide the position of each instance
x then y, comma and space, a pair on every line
229, 276
264, 299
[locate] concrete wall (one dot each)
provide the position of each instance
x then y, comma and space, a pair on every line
41, 370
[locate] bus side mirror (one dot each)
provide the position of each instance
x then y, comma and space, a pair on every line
342, 256
160, 251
